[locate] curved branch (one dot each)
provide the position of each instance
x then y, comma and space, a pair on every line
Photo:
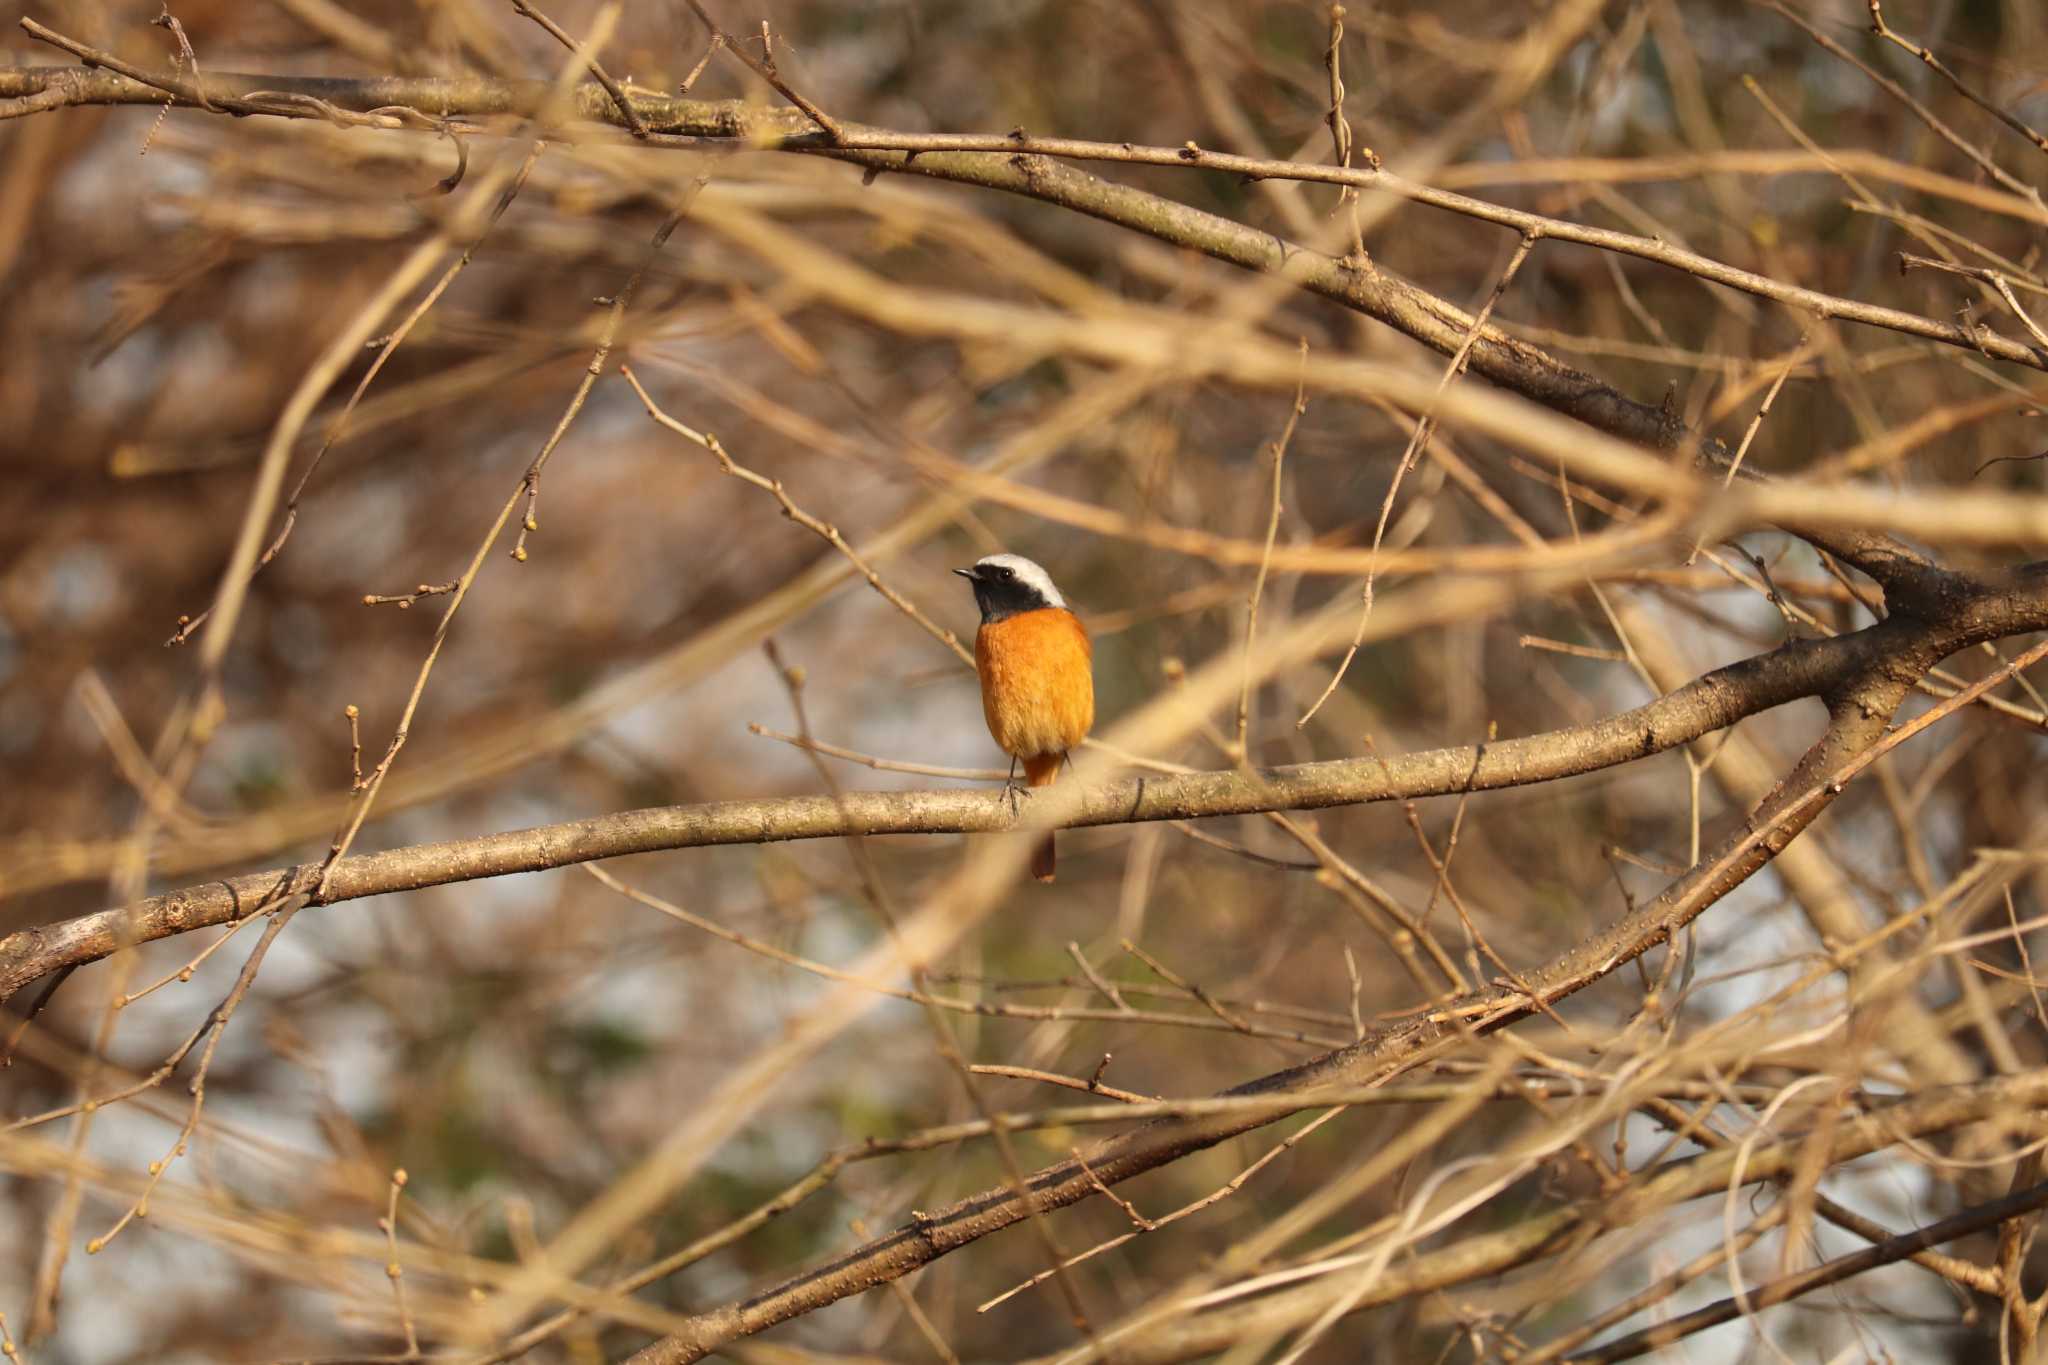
1859, 731
1804, 668
1860, 710
1496, 355
1374, 1060
888, 150
1020, 165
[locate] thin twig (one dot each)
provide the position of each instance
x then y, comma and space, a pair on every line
185, 53
917, 997
394, 1271
2003, 115
611, 87
387, 346
1819, 1277
825, 531
1340, 133
1251, 617
1107, 988
766, 70
1091, 1086
1208, 1001
1417, 443
1979, 157
1793, 359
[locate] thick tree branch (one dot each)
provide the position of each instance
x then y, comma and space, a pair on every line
1493, 1253
886, 149
1789, 1287
1805, 668
1863, 676
1021, 165
1858, 732
1860, 712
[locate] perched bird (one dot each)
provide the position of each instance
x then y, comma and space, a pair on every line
1037, 681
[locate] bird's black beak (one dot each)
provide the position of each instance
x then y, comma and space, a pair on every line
968, 574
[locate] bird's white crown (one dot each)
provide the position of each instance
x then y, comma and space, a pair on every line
1029, 573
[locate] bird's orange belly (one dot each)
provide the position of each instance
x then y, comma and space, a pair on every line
1037, 682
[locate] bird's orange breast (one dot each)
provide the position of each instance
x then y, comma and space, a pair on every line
1037, 682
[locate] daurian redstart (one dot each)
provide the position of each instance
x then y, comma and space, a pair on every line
1037, 681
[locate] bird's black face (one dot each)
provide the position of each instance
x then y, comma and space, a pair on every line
1001, 591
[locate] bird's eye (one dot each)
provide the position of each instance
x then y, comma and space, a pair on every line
1004, 573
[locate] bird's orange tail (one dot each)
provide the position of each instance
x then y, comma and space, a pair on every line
1040, 772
